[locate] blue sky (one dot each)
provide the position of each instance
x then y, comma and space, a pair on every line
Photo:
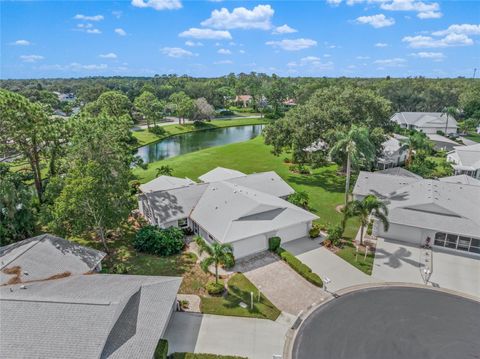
366, 38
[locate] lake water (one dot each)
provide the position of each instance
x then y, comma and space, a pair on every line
194, 141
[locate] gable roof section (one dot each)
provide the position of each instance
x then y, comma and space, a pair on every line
164, 183
461, 179
268, 182
380, 184
220, 174
86, 316
468, 157
399, 171
230, 212
44, 256
424, 119
441, 206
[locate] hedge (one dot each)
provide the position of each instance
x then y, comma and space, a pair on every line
299, 267
161, 351
274, 244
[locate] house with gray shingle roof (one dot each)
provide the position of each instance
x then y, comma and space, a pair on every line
231, 207
446, 210
426, 122
58, 307
466, 160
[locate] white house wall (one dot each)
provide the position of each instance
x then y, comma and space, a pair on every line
250, 245
293, 232
412, 235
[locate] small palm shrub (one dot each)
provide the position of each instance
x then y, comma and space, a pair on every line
215, 288
314, 232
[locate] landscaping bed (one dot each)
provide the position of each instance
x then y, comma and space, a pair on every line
238, 291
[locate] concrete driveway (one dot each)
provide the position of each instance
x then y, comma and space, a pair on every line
205, 333
399, 262
327, 264
284, 287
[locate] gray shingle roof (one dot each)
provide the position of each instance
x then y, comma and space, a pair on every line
164, 183
424, 119
462, 179
44, 256
86, 316
220, 174
267, 182
399, 171
466, 157
379, 183
230, 212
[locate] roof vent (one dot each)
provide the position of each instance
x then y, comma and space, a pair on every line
23, 286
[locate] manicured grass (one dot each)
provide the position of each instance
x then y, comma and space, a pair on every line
145, 137
324, 186
473, 136
202, 356
348, 254
239, 289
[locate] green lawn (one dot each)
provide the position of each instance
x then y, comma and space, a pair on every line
324, 186
348, 253
239, 289
473, 136
144, 136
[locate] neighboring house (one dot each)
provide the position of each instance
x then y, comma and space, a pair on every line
427, 122
394, 152
441, 142
244, 211
289, 102
466, 160
54, 307
220, 174
444, 210
163, 183
381, 183
243, 100
461, 179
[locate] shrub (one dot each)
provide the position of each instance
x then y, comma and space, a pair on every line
134, 187
440, 132
157, 130
301, 169
229, 261
370, 228
163, 242
274, 243
215, 288
335, 233
226, 113
299, 199
299, 267
161, 351
287, 160
314, 232
121, 268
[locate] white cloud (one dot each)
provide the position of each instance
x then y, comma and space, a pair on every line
241, 18
224, 51
120, 31
381, 44
447, 41
158, 4
85, 25
284, 29
334, 2
74, 66
395, 62
362, 57
176, 52
223, 62
377, 21
88, 18
312, 63
293, 44
207, 34
21, 43
409, 5
466, 29
436, 56
429, 15
110, 55
193, 43
93, 31
241, 51
31, 58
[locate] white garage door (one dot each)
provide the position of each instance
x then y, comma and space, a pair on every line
402, 233
293, 232
249, 246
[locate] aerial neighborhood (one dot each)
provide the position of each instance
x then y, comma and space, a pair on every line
286, 198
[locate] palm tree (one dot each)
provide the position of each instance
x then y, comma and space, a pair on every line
368, 207
218, 253
164, 170
355, 148
449, 111
417, 141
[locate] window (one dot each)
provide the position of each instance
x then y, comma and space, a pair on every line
440, 239
451, 241
463, 243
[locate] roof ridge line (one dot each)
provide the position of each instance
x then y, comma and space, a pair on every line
26, 250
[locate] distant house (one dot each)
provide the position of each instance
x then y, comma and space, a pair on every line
243, 100
441, 142
66, 96
466, 160
394, 152
426, 122
446, 210
54, 307
289, 102
231, 207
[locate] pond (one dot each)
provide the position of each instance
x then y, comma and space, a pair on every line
194, 141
